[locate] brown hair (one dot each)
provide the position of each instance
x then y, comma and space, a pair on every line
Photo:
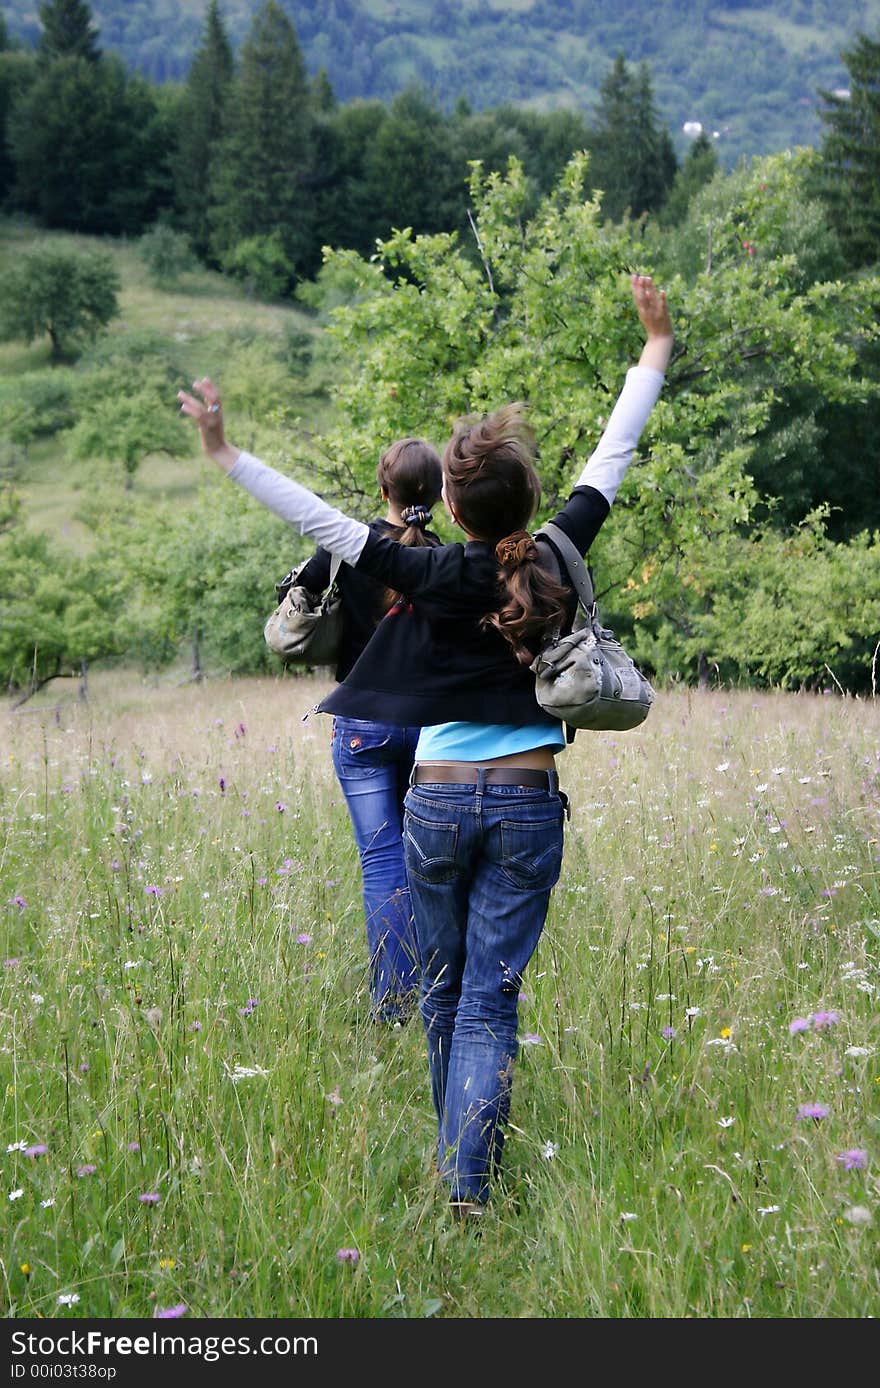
494, 490
410, 474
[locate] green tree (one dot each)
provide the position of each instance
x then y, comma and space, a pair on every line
61, 294
699, 168
167, 254
50, 629
89, 148
634, 161
259, 184
429, 333
68, 31
849, 170
200, 128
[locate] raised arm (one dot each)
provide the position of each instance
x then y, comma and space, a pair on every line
595, 489
336, 532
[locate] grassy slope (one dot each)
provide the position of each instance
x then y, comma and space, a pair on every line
202, 316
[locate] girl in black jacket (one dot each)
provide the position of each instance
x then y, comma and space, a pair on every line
373, 758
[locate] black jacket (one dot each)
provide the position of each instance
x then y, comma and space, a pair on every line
430, 659
363, 598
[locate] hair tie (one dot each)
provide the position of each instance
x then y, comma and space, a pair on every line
518, 548
416, 515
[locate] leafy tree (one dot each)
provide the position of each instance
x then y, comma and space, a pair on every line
17, 71
48, 628
89, 148
541, 319
200, 129
634, 162
68, 31
62, 294
261, 263
259, 181
128, 427
409, 168
166, 253
700, 167
849, 171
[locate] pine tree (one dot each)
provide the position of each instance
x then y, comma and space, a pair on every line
633, 158
849, 167
260, 181
200, 131
68, 31
699, 167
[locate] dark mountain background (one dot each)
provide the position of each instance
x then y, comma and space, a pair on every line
746, 69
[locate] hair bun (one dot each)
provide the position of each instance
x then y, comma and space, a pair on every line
419, 516
518, 548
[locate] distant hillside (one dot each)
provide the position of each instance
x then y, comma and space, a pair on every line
744, 68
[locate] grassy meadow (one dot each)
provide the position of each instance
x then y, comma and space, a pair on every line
198, 1112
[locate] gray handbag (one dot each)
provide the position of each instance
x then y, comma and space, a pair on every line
306, 627
586, 678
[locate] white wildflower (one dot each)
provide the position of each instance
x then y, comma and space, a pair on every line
858, 1215
16, 1194
769, 1209
68, 1299
550, 1150
727, 1122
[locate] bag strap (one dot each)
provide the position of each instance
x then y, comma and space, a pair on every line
335, 566
574, 563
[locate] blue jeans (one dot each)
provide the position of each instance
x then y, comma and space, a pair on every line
481, 862
373, 763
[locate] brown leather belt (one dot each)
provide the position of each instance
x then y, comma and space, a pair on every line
465, 773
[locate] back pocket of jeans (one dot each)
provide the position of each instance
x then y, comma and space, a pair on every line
430, 848
531, 852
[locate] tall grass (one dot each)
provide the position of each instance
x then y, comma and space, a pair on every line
184, 1015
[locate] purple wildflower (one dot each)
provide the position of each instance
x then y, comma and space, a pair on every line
11, 963
195, 1026
822, 1021
854, 1159
531, 1038
348, 1255
134, 1147
304, 938
249, 1007
815, 1111
222, 784
39, 1149
18, 901
172, 1313
240, 730
153, 890
280, 806
88, 1170
668, 1033
84, 1067
150, 1197
799, 1024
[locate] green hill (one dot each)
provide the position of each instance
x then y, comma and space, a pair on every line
746, 69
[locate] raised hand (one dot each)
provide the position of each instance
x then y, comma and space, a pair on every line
651, 306
205, 408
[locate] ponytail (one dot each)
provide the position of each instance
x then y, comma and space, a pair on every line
532, 601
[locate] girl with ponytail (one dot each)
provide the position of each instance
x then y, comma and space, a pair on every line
373, 759
483, 815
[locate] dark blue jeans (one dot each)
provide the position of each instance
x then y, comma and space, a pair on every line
481, 862
373, 762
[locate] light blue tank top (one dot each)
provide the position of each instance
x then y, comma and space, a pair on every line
479, 742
